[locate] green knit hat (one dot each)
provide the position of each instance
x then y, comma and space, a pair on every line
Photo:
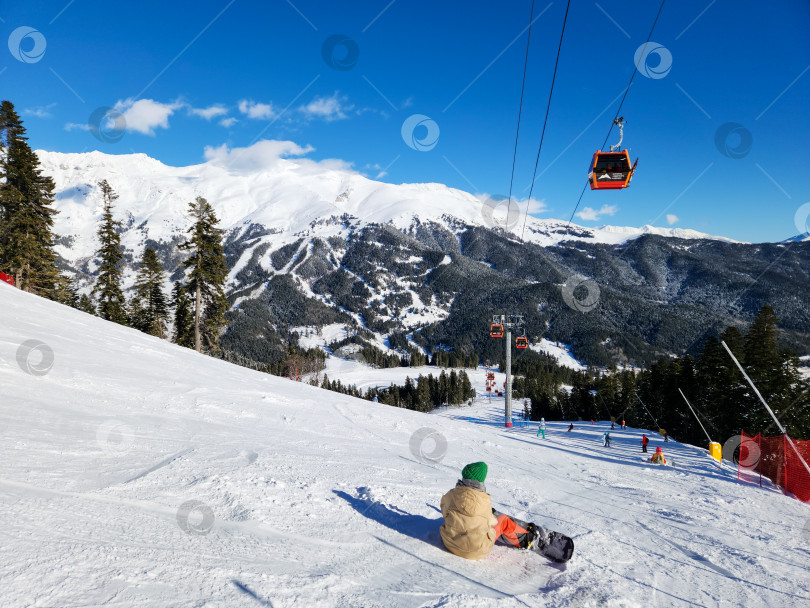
476, 471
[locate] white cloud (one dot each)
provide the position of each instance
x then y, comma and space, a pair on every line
381, 172
77, 126
500, 204
146, 115
40, 111
209, 112
535, 206
257, 111
265, 154
228, 122
590, 214
327, 108
261, 155
672, 219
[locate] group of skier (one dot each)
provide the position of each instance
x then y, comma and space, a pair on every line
658, 457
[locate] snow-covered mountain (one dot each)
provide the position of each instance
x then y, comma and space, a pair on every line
138, 473
294, 197
316, 243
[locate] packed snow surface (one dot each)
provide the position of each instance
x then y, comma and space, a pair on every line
311, 498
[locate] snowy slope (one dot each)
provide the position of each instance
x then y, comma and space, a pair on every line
263, 185
318, 499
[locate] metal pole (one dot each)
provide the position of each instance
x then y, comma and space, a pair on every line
695, 415
508, 378
770, 411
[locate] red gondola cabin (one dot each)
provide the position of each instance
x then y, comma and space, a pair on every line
521, 342
496, 331
610, 170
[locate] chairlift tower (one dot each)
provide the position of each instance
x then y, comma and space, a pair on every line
507, 323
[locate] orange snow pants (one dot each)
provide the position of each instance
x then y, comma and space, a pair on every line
511, 531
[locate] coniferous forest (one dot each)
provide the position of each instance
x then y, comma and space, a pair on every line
711, 381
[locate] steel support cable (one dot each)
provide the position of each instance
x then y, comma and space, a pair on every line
520, 108
545, 120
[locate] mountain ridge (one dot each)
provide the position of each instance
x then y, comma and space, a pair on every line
425, 260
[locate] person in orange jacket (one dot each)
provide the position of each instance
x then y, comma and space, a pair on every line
658, 457
644, 442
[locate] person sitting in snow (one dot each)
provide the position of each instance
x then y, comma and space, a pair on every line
471, 526
542, 428
658, 457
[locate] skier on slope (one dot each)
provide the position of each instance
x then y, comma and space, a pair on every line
644, 441
571, 427
606, 439
658, 457
471, 526
542, 428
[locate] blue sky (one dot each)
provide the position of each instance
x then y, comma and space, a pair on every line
232, 72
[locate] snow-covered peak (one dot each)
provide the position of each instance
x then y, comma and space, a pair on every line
273, 184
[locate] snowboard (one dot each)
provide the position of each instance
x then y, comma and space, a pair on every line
553, 545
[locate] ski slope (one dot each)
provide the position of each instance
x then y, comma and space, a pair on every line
310, 498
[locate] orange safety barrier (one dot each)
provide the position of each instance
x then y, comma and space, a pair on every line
776, 459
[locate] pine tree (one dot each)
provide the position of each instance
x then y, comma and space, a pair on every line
86, 304
774, 371
66, 291
111, 302
149, 308
720, 393
183, 317
207, 271
26, 216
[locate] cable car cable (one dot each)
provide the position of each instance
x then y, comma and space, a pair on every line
520, 108
626, 91
545, 121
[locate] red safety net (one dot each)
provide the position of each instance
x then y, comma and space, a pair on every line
781, 459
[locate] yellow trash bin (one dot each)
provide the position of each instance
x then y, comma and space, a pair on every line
716, 451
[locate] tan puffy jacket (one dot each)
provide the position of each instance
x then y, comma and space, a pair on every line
468, 529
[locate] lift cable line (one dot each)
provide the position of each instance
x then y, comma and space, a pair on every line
545, 120
520, 107
695, 415
642, 56
605, 405
648, 411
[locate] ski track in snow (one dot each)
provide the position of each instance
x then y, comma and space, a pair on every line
318, 499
